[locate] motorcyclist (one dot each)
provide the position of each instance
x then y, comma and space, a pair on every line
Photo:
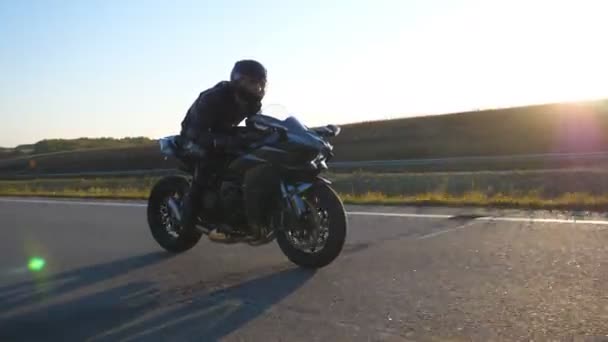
208, 129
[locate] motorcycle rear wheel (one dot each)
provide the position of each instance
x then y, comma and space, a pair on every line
165, 228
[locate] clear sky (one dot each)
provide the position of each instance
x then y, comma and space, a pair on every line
132, 68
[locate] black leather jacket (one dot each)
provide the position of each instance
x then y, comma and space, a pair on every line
214, 114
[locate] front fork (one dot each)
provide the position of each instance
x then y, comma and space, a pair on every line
298, 211
293, 200
292, 196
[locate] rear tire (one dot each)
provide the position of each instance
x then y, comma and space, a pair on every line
330, 201
162, 190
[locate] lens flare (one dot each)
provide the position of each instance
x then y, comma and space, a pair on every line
36, 264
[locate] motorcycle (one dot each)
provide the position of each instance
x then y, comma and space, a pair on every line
307, 218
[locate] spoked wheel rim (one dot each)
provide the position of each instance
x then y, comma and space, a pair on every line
168, 220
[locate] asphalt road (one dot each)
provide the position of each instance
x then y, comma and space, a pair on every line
406, 274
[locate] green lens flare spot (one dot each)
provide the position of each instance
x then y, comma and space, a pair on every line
36, 264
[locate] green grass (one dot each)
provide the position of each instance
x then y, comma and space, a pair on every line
546, 183
550, 189
532, 200
126, 188
529, 201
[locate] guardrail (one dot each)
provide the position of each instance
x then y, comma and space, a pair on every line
511, 158
121, 173
368, 164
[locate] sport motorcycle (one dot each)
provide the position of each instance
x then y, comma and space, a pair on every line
306, 217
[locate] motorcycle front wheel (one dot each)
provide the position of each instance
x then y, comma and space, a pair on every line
317, 249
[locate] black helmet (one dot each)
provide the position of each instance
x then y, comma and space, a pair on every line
249, 78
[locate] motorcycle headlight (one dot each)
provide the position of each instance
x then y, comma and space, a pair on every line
319, 161
318, 157
322, 164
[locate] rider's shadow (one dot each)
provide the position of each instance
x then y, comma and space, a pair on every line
42, 288
217, 314
77, 319
134, 312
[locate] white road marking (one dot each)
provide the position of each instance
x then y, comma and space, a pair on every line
371, 213
485, 218
541, 220
69, 202
350, 213
428, 236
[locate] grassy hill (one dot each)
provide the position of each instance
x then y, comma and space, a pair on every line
63, 145
6, 153
550, 128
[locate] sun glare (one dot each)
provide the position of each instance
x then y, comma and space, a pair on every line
559, 52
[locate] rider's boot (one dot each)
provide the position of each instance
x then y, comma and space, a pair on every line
227, 234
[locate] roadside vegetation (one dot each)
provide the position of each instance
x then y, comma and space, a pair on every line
548, 189
64, 145
551, 128
538, 183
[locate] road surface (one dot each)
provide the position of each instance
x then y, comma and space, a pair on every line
406, 274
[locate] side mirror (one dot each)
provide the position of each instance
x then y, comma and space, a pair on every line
334, 129
328, 131
167, 145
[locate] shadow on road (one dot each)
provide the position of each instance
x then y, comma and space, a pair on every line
217, 314
76, 319
42, 288
133, 312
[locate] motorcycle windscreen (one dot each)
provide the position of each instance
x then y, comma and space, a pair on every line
294, 125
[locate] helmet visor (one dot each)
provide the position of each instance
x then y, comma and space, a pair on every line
252, 86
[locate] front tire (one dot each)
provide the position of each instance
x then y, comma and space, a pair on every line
165, 229
329, 200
